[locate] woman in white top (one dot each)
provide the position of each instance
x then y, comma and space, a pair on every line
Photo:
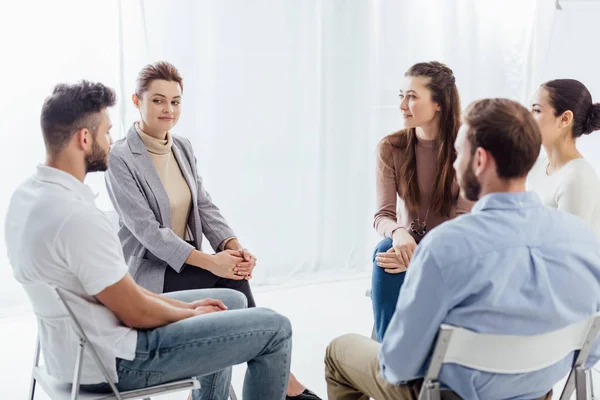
562, 178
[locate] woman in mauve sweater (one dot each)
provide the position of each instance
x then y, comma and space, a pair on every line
416, 184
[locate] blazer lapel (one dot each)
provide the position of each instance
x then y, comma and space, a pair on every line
148, 171
185, 165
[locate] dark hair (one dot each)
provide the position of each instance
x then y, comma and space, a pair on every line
508, 131
442, 85
160, 70
570, 94
72, 107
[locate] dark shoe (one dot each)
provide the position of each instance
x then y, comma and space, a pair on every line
306, 395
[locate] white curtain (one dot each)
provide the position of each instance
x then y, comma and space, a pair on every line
284, 101
43, 43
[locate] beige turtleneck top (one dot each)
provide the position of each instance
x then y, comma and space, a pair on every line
170, 174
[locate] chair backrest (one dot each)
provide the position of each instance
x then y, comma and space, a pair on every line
512, 354
51, 303
45, 302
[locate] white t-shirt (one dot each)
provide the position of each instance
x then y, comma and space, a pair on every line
56, 235
575, 188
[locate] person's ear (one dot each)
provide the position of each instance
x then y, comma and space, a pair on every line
480, 161
136, 100
83, 138
566, 119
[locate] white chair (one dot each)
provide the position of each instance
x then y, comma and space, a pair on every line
511, 354
45, 307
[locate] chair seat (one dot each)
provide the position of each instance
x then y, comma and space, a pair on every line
57, 390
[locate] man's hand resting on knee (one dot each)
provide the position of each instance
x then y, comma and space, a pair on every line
207, 306
139, 308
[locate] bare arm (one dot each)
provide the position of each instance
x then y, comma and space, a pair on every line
137, 309
168, 300
233, 244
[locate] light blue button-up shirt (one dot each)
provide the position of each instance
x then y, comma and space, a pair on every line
511, 266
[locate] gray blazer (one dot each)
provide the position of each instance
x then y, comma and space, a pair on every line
136, 191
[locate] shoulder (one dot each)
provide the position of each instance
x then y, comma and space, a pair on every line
456, 240
579, 176
392, 145
120, 149
86, 222
184, 144
582, 171
182, 141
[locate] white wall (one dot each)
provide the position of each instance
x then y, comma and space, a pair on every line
283, 101
43, 43
574, 54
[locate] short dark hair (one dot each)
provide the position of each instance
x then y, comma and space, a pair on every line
160, 70
570, 94
72, 107
507, 130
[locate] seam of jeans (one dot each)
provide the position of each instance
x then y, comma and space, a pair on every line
213, 385
146, 375
204, 340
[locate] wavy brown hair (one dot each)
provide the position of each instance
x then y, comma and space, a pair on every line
444, 92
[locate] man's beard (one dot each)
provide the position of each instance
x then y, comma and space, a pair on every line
97, 161
470, 185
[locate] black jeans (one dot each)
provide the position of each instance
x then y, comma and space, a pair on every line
192, 277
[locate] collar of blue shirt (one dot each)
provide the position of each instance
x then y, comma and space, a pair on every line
58, 177
507, 201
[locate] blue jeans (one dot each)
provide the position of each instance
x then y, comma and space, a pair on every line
208, 346
385, 290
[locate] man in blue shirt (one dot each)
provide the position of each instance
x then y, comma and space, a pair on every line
511, 266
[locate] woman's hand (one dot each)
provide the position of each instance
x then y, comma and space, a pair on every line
246, 267
225, 263
396, 259
389, 260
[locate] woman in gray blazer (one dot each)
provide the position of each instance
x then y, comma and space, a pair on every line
164, 209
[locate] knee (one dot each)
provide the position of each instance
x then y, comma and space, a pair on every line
337, 348
272, 320
382, 247
239, 300
233, 299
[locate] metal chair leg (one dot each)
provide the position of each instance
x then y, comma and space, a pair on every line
581, 384
78, 365
232, 395
36, 361
430, 391
569, 387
